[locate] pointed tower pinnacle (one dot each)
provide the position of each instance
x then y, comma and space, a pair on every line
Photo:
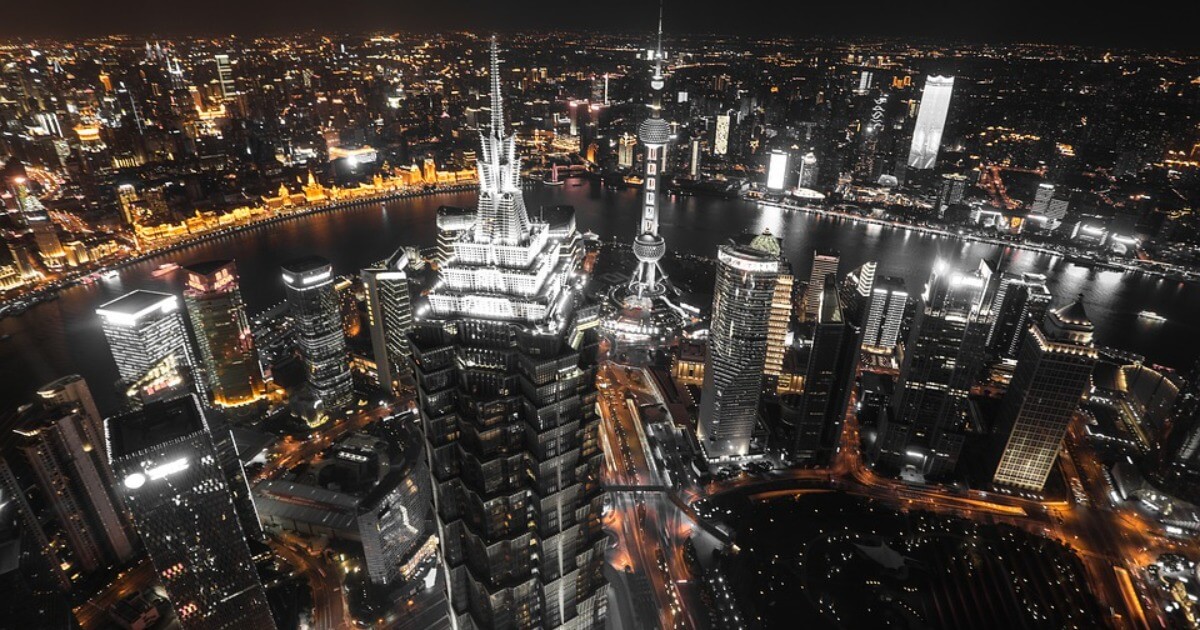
656, 82
497, 129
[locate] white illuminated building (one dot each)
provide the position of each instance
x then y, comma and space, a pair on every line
506, 266
144, 328
777, 170
931, 122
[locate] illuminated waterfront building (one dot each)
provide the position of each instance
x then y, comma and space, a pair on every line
941, 358
737, 346
1053, 372
643, 315
777, 170
214, 304
148, 338
721, 136
931, 122
316, 314
825, 263
504, 354
389, 316
169, 473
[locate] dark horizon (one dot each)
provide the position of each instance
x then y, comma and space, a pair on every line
1020, 22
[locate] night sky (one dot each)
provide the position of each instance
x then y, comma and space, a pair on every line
1156, 25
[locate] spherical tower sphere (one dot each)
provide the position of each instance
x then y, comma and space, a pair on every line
654, 131
649, 247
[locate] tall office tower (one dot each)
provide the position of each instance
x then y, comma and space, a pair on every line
1053, 372
504, 359
452, 223
721, 136
69, 485
174, 487
316, 315
625, 147
214, 304
954, 187
855, 292
779, 324
941, 359
777, 170
1019, 302
73, 390
931, 122
225, 77
1041, 198
808, 171
832, 359
694, 161
737, 346
825, 263
885, 315
389, 315
148, 340
642, 315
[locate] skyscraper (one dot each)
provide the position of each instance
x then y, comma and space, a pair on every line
451, 224
145, 333
779, 325
737, 346
1053, 372
941, 358
316, 315
67, 487
389, 315
827, 375
504, 353
931, 122
172, 482
825, 263
1019, 302
885, 314
777, 170
214, 304
225, 77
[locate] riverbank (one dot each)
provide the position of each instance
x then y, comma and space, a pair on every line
1167, 271
18, 304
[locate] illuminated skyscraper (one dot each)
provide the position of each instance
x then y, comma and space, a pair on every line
225, 77
941, 359
885, 314
389, 315
931, 122
721, 137
1019, 302
825, 263
316, 315
737, 346
1053, 372
34, 216
214, 304
504, 353
148, 340
777, 170
170, 475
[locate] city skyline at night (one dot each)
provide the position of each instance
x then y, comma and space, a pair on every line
491, 317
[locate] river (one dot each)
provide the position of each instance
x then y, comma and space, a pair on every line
63, 336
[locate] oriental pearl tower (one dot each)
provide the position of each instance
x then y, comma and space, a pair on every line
643, 314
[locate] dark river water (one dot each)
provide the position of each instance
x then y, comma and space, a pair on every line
63, 336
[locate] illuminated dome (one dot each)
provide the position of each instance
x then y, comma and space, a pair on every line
766, 243
654, 131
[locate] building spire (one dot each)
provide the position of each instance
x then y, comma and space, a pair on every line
658, 54
497, 101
